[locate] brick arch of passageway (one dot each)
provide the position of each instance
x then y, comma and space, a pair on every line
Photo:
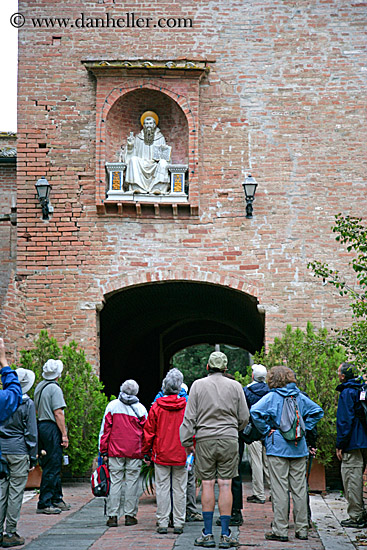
122, 281
109, 99
148, 317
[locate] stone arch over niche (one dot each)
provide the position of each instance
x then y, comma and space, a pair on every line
143, 325
124, 117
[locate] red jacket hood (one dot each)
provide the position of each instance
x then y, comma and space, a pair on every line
171, 402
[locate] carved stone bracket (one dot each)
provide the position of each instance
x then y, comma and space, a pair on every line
172, 67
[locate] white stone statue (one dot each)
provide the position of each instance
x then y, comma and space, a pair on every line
147, 157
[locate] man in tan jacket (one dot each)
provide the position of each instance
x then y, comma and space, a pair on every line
216, 411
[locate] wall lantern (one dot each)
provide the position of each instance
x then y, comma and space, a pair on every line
43, 189
249, 186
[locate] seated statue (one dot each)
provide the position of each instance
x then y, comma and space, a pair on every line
147, 156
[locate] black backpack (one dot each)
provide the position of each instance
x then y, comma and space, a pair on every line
250, 433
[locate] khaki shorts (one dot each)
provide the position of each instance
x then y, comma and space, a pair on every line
216, 458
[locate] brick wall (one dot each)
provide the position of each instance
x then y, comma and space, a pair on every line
8, 182
284, 100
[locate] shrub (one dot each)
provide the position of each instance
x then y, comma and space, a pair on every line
352, 233
83, 394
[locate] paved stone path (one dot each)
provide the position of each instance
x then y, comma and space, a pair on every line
84, 527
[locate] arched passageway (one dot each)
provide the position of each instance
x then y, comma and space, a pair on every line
142, 327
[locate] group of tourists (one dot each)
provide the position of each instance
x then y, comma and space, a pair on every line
205, 424
24, 442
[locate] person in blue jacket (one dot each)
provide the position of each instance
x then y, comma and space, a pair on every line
286, 459
11, 394
351, 444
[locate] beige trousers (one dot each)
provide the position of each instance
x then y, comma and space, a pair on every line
288, 474
165, 478
124, 492
259, 467
12, 490
353, 466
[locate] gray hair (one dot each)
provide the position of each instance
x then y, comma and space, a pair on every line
172, 384
130, 387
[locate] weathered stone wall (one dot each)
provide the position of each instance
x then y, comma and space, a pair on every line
284, 100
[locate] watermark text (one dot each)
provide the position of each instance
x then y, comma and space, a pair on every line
129, 20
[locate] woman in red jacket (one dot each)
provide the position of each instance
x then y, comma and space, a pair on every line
121, 440
162, 445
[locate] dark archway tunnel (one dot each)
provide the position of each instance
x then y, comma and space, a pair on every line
142, 327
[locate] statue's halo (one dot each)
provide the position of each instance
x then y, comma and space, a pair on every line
150, 114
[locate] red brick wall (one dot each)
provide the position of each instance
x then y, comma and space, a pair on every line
285, 100
8, 190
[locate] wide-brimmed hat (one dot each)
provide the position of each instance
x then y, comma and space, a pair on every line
218, 360
52, 369
26, 378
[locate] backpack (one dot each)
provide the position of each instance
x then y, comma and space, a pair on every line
100, 481
292, 426
4, 469
250, 433
361, 406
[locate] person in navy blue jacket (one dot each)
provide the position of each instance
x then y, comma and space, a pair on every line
259, 464
11, 394
351, 444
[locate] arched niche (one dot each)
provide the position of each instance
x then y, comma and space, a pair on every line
124, 117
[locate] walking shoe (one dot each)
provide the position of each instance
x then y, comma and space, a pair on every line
227, 541
162, 530
177, 530
236, 518
12, 540
255, 499
112, 521
49, 510
301, 537
272, 536
194, 517
130, 520
356, 523
62, 505
205, 540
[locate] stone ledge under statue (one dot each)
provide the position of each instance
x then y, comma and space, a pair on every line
116, 191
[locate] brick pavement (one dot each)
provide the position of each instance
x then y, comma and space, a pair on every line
84, 527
